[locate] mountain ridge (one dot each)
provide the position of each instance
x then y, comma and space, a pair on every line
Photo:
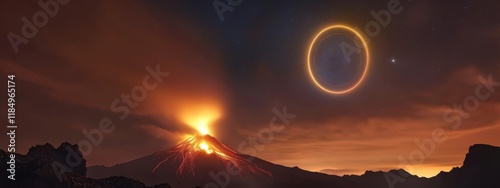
481, 168
479, 156
40, 168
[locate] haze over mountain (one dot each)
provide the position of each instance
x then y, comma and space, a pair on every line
481, 168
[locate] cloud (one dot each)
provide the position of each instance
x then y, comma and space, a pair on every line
341, 172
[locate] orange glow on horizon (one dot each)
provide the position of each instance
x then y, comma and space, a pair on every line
427, 171
311, 46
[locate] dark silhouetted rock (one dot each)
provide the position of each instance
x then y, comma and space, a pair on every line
481, 168
38, 169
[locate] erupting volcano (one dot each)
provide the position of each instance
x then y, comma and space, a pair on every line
201, 152
203, 145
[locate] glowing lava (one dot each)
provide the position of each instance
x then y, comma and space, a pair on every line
194, 147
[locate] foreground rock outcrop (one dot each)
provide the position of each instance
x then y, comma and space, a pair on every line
38, 168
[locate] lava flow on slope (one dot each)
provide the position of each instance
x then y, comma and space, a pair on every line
203, 144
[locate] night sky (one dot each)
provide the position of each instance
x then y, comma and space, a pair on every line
236, 71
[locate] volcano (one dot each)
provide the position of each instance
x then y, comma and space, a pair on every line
202, 146
481, 168
199, 160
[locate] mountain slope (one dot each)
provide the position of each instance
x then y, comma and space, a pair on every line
481, 169
208, 169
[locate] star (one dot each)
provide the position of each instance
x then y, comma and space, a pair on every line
393, 61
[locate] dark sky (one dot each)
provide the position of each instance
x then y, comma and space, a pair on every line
231, 74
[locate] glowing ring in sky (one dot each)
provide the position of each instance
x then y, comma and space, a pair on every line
366, 64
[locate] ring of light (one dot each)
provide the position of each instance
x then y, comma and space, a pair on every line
309, 59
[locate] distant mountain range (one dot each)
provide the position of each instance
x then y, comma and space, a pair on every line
481, 169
